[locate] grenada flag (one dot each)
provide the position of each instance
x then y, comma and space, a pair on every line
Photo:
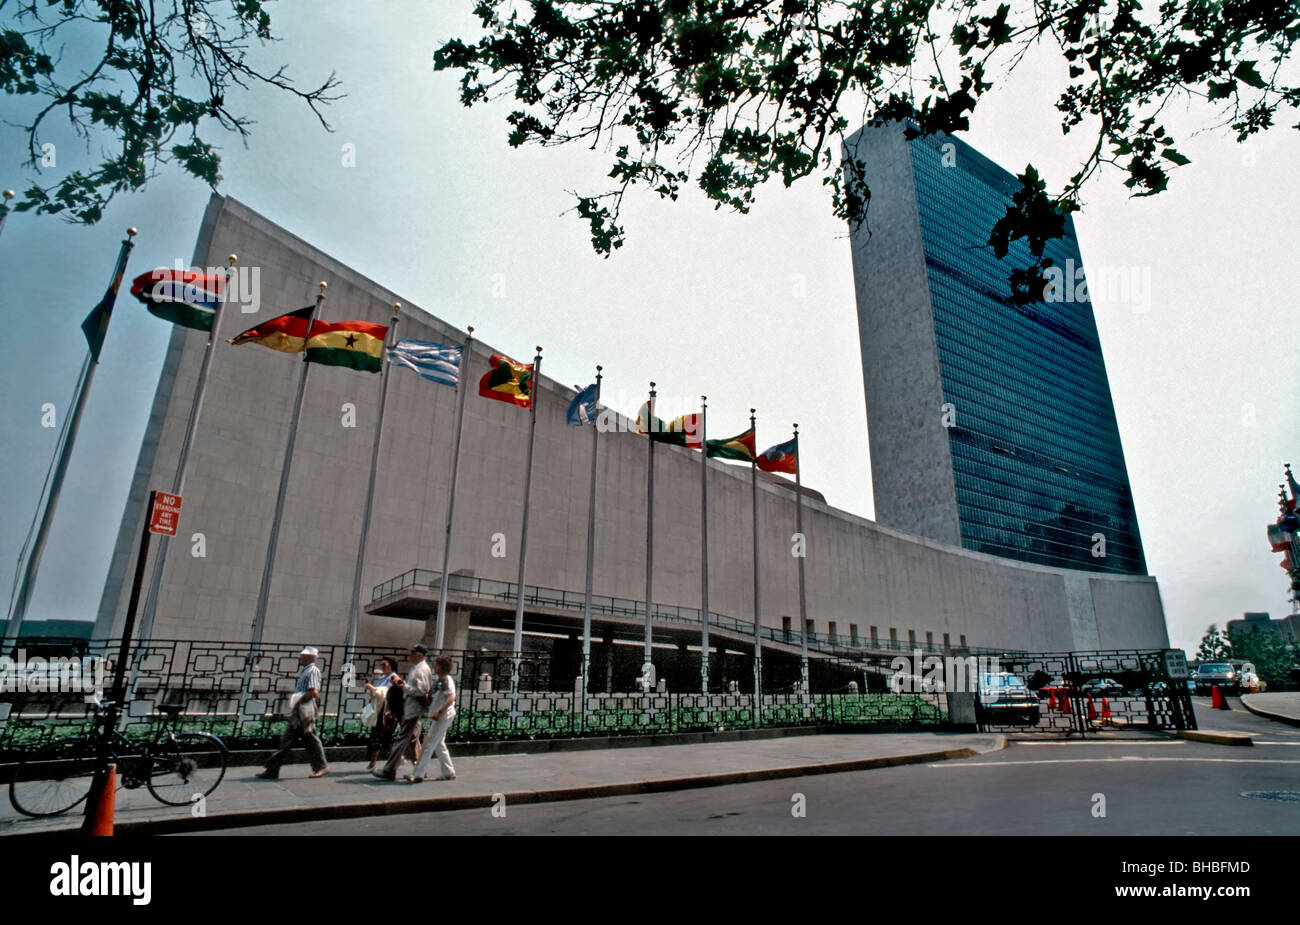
508, 381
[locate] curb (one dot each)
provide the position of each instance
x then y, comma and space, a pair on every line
1217, 738
247, 818
1276, 717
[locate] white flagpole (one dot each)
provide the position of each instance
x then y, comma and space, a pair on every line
264, 592
534, 390
439, 636
33, 563
803, 549
182, 461
354, 614
591, 558
647, 668
704, 550
758, 642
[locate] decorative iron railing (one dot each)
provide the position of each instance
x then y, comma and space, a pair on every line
242, 695
489, 589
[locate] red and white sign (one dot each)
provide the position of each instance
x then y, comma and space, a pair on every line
164, 514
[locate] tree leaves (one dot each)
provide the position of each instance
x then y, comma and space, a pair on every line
166, 68
739, 92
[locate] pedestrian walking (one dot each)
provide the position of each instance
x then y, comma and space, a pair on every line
417, 688
442, 712
302, 720
385, 719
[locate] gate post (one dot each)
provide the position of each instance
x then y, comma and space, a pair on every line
961, 711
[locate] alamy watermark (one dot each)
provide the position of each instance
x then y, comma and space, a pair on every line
242, 286
1108, 285
59, 675
920, 673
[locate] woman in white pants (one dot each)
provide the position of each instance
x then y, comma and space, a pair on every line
442, 712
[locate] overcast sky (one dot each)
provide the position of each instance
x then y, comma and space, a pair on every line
751, 310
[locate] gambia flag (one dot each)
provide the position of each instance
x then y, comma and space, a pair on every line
740, 447
508, 381
353, 344
784, 457
182, 297
287, 333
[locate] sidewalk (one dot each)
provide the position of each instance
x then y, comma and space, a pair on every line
350, 791
1283, 707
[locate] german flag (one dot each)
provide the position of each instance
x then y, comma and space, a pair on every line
508, 381
287, 333
353, 344
740, 447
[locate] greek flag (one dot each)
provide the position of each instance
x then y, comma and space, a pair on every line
582, 410
434, 362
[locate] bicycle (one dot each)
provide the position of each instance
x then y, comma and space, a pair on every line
176, 767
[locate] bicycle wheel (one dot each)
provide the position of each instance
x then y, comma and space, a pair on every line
186, 767
54, 779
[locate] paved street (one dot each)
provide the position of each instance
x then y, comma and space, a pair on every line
1037, 786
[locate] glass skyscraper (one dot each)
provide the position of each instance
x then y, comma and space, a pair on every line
991, 424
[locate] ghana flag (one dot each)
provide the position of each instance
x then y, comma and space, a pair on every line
739, 447
287, 333
508, 381
353, 344
183, 297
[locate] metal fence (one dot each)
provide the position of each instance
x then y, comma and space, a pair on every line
243, 696
1085, 692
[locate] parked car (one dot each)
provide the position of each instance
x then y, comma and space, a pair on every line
1209, 674
1005, 699
1055, 684
1102, 687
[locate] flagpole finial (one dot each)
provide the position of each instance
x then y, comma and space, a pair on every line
470, 329
9, 194
751, 410
232, 259
397, 307
131, 232
598, 369
324, 285
796, 427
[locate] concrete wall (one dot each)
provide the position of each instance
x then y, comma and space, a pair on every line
911, 461
858, 572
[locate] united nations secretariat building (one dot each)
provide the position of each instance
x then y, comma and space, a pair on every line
988, 520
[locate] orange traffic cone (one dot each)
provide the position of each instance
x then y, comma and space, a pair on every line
1105, 712
1092, 710
99, 804
1051, 698
1217, 700
1065, 702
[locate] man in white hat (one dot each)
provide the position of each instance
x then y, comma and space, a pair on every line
302, 720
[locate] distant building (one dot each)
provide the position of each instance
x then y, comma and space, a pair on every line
1286, 628
991, 425
51, 629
